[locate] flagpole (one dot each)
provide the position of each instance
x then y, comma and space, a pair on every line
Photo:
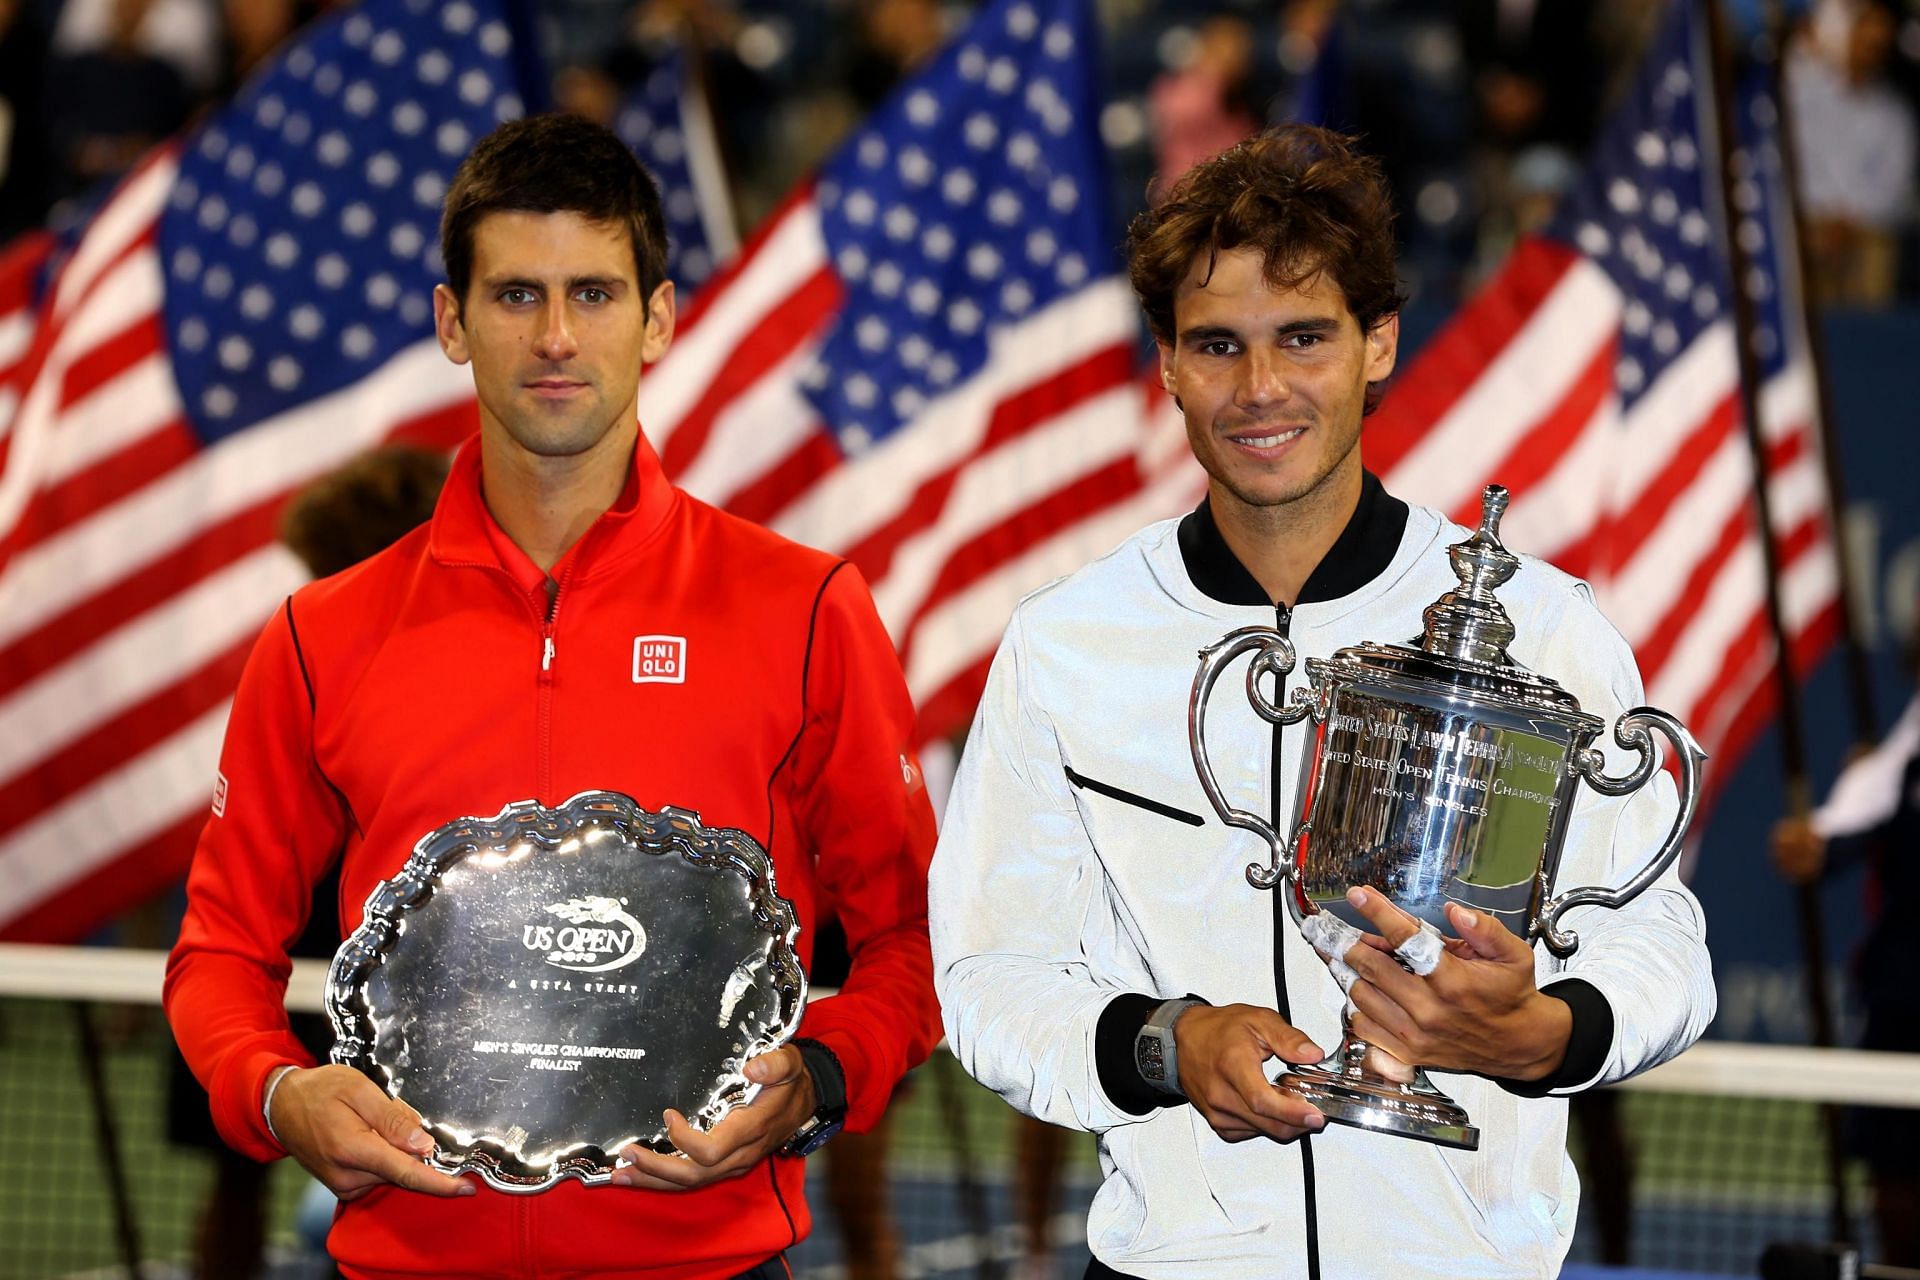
1859, 671
1793, 751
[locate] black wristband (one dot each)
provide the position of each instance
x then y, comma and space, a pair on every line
1113, 1061
829, 1078
1587, 1043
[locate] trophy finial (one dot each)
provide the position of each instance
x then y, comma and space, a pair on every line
1470, 623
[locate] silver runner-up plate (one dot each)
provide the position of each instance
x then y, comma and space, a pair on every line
542, 984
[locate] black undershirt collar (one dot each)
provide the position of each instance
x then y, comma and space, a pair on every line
1361, 553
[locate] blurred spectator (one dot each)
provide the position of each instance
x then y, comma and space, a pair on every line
182, 34
1535, 76
891, 39
1204, 107
1872, 814
121, 80
254, 29
1854, 138
26, 177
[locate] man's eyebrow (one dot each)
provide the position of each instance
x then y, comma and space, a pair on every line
1311, 324
1208, 333
607, 282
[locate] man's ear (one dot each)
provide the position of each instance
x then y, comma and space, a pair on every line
448, 326
1383, 347
1168, 373
660, 321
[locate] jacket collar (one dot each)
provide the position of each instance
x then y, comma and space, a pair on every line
464, 532
1362, 552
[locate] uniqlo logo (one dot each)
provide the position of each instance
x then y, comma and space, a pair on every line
219, 794
659, 659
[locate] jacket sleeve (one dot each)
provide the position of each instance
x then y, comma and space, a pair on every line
861, 802
1013, 882
277, 825
1648, 959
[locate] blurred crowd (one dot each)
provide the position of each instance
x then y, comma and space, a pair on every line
1481, 109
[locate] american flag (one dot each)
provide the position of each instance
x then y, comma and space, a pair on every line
1596, 377
923, 361
667, 123
248, 310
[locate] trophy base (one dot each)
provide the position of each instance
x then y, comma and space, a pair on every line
1364, 1099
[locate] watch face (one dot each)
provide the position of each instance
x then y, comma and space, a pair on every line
1150, 1054
813, 1135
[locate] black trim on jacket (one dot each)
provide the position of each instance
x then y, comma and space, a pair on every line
1359, 555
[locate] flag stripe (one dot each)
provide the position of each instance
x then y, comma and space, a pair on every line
141, 727
765, 348
92, 828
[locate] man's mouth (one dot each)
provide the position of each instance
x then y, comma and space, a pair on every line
1272, 441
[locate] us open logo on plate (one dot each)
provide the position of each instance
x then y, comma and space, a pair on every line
600, 935
659, 659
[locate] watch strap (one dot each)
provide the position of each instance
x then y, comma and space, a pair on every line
829, 1095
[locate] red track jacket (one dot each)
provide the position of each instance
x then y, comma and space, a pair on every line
431, 682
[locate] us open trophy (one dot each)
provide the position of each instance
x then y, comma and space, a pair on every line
541, 984
1439, 773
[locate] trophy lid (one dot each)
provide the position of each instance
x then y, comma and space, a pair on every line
1471, 624
1468, 630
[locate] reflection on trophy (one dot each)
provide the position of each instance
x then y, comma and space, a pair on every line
542, 984
1442, 773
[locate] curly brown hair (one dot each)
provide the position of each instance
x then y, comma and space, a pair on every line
1307, 198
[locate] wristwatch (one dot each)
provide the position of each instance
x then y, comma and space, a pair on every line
830, 1100
1153, 1052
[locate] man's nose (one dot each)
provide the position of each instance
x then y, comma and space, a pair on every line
555, 340
1264, 379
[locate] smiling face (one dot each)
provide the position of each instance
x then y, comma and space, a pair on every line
1273, 383
557, 330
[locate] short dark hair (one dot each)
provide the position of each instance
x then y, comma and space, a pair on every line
1305, 197
553, 164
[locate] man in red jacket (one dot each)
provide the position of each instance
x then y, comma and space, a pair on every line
492, 656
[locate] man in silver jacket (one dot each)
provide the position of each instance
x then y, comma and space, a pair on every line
1082, 903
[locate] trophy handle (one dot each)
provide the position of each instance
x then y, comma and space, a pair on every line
1276, 656
1630, 731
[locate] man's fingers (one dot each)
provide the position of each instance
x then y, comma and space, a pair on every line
739, 1128
654, 1171
1395, 925
1389, 1056
1489, 939
385, 1163
777, 1066
1284, 1040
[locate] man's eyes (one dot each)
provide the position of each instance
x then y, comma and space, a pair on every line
591, 294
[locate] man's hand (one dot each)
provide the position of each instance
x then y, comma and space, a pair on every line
744, 1137
1479, 1009
345, 1131
1220, 1052
1799, 852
